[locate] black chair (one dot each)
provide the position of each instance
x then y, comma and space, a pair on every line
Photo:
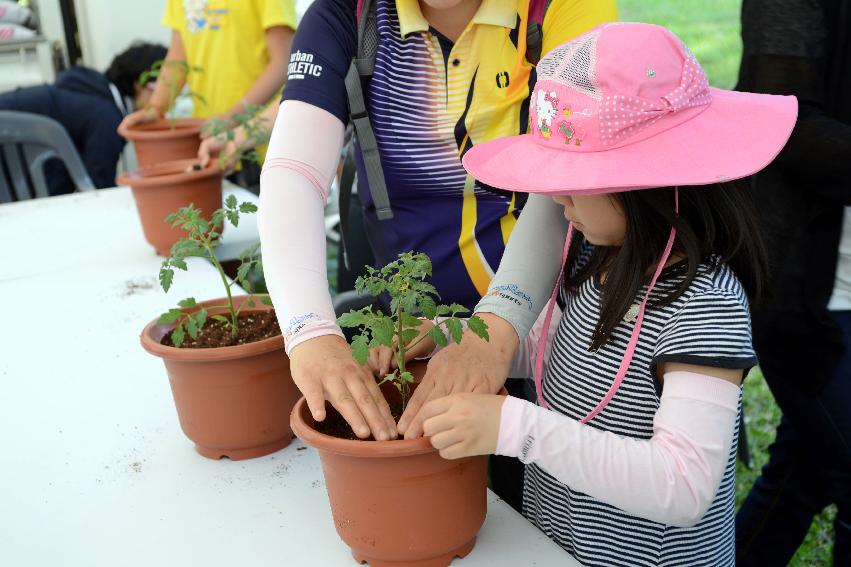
27, 141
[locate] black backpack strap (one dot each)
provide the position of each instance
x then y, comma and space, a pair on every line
347, 180
535, 35
359, 72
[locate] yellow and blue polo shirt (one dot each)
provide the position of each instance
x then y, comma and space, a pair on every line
430, 100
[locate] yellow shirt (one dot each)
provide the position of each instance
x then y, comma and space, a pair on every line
227, 38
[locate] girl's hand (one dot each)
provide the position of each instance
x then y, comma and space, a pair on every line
381, 360
473, 366
463, 425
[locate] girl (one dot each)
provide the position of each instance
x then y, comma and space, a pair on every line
631, 446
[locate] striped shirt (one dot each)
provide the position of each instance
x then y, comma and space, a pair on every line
708, 325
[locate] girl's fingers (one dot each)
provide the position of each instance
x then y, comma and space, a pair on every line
446, 439
435, 408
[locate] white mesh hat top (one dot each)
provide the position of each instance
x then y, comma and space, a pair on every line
628, 105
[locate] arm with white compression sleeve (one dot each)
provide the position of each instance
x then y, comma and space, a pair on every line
524, 356
671, 478
524, 282
303, 155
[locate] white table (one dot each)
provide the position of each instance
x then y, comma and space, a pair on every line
94, 469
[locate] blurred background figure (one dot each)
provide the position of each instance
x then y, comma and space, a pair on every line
803, 335
90, 105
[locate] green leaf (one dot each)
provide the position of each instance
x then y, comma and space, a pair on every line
230, 202
251, 303
179, 263
187, 247
266, 300
247, 208
408, 335
221, 318
177, 336
382, 332
166, 277
360, 349
409, 320
409, 301
352, 319
192, 327
233, 217
201, 317
249, 252
437, 336
479, 327
406, 378
428, 308
187, 303
456, 330
458, 309
170, 316
242, 272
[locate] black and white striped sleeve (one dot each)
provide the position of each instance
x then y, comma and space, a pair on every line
713, 328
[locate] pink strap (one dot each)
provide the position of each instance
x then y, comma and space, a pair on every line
542, 340
360, 9
636, 330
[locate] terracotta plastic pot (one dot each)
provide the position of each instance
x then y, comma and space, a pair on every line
232, 401
399, 502
158, 141
162, 189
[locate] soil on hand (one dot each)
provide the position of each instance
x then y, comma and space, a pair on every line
253, 327
335, 426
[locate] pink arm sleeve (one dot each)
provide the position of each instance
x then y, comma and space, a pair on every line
670, 478
302, 159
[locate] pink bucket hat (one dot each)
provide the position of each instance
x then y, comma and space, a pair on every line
627, 106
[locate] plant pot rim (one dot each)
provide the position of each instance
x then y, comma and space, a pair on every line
161, 129
154, 347
352, 448
168, 173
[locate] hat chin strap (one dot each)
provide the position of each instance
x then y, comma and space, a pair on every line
636, 330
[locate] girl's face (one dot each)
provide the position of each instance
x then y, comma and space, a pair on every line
599, 217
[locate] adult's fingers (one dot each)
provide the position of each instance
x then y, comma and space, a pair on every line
385, 355
314, 396
343, 400
368, 407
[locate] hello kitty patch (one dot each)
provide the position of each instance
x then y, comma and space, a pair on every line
546, 109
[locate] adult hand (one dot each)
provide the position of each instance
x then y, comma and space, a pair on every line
463, 425
323, 369
213, 148
381, 360
471, 366
141, 116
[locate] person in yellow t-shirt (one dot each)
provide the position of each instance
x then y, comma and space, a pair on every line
241, 46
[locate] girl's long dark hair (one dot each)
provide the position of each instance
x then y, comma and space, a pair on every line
716, 223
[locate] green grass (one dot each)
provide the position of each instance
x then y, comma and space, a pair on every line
711, 28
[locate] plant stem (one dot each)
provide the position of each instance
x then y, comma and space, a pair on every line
215, 261
400, 356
